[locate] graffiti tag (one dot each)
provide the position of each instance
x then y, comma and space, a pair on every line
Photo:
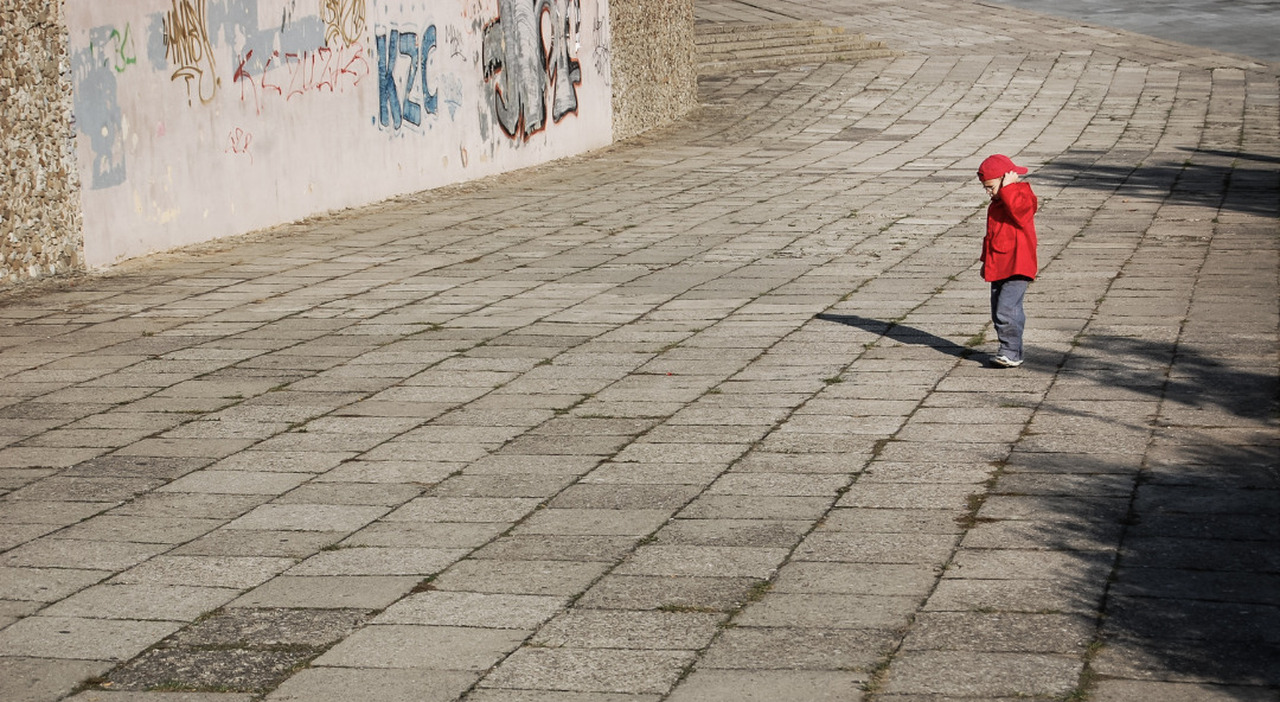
603, 53
186, 41
453, 38
238, 143
287, 75
123, 53
344, 22
397, 104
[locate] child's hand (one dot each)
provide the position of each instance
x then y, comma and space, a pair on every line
1007, 178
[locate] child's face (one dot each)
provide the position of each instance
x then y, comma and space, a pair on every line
991, 186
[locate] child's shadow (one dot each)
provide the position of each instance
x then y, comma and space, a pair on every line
900, 333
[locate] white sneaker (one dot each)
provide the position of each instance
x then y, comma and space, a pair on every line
1005, 362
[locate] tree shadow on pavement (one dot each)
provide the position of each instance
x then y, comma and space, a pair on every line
1249, 186
1194, 595
900, 333
1192, 501
1198, 380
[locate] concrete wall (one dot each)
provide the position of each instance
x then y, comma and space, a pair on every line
144, 125
39, 188
202, 118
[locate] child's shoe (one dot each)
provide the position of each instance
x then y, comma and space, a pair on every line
1005, 362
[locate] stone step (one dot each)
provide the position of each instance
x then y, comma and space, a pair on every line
729, 31
732, 46
819, 33
784, 45
756, 64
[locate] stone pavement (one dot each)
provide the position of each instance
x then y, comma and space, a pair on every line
1247, 27
702, 417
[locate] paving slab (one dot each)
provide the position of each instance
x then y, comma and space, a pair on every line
723, 686
472, 609
521, 577
703, 561
81, 638
405, 685
1188, 661
1000, 632
378, 560
134, 696
746, 648
41, 679
624, 497
1138, 691
269, 543
187, 506
159, 602
46, 584
849, 547
271, 628
221, 670
759, 533
346, 592
694, 594
432, 647
463, 509
556, 696
690, 631
1005, 595
858, 578
992, 675
308, 517
590, 670
57, 513
838, 611
90, 555
215, 571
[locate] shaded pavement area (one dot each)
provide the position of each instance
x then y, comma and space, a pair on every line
703, 416
1246, 27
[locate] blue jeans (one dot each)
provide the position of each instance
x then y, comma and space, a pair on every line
1007, 314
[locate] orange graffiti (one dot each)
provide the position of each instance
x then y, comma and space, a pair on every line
344, 22
186, 42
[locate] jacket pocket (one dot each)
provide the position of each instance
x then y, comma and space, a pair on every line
1004, 242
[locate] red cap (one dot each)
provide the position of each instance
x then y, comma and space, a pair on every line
995, 166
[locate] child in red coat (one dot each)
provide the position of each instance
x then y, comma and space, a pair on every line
1008, 252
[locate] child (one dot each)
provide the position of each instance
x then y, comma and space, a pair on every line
1008, 252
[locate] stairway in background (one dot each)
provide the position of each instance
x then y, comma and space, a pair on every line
727, 47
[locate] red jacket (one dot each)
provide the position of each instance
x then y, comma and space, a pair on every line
1009, 248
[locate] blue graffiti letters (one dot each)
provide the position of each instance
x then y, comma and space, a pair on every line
388, 97
428, 45
409, 47
396, 106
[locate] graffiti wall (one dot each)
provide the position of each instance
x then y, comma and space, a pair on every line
197, 119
